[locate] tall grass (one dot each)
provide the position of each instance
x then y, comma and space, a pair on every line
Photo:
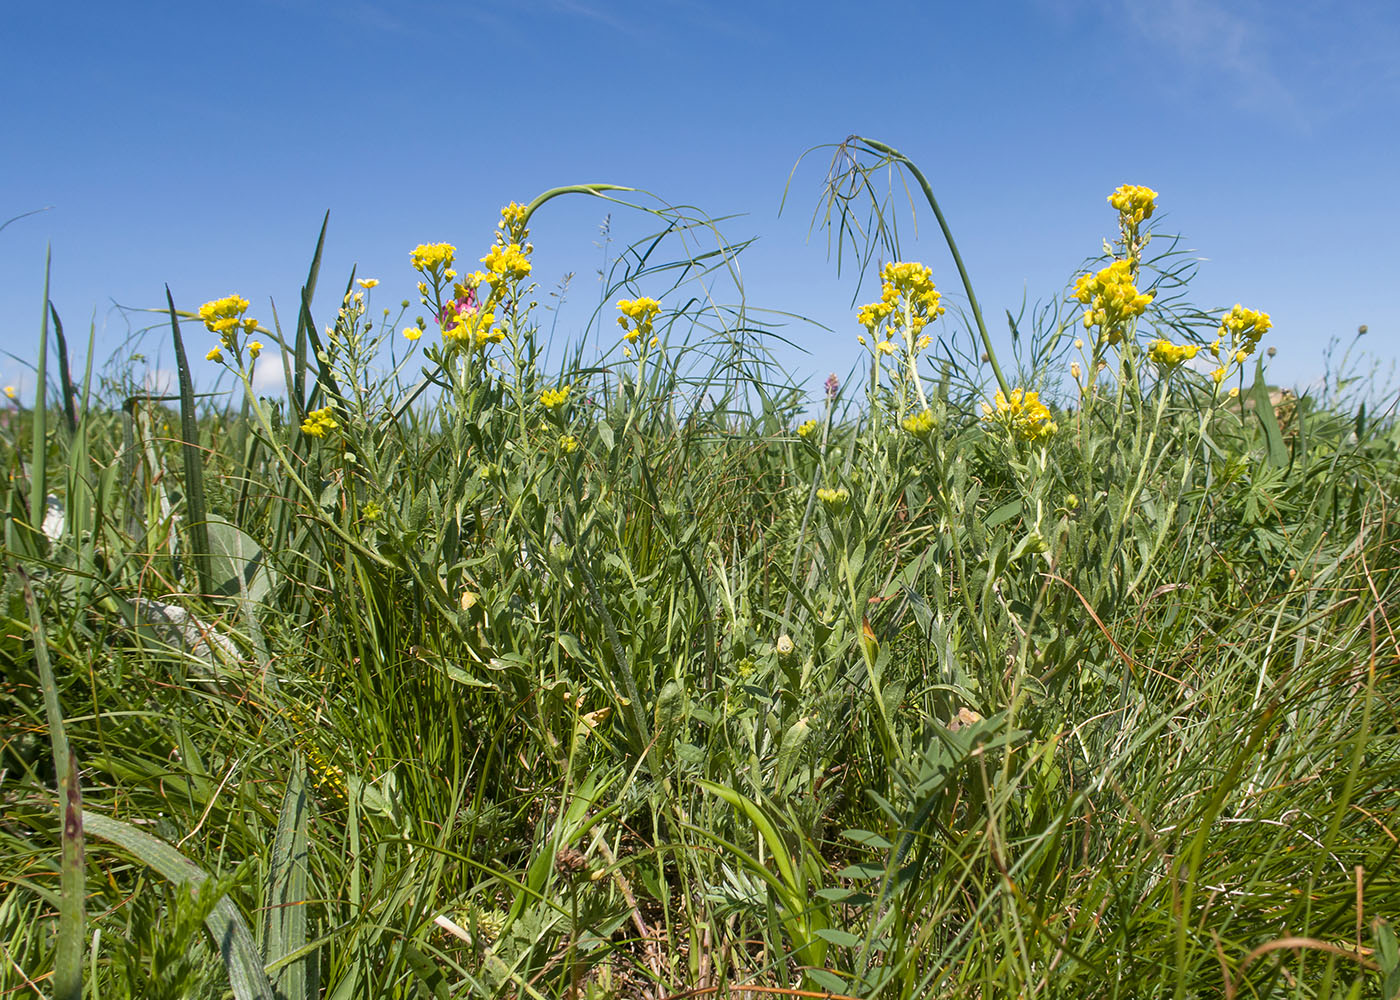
407, 683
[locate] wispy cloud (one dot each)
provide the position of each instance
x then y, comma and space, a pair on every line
1300, 63
1233, 40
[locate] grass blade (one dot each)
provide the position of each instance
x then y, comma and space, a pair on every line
39, 450
304, 323
285, 920
194, 462
65, 375
68, 961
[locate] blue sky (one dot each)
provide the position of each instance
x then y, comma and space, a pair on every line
199, 145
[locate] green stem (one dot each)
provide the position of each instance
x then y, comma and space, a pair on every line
894, 154
594, 189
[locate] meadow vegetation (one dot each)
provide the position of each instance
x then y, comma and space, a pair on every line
484, 661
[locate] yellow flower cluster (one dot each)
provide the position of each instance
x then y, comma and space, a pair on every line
552, 399
835, 499
329, 777
317, 422
1134, 204
1112, 300
507, 262
432, 257
568, 444
806, 428
919, 424
1244, 327
1170, 355
641, 312
1024, 414
513, 222
473, 328
911, 282
225, 317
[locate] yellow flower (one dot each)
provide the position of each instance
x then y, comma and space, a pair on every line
10, 392
568, 444
367, 282
507, 262
430, 257
1170, 355
1112, 300
513, 221
641, 313
835, 499
885, 347
224, 317
1075, 371
317, 422
553, 399
412, 333
473, 328
920, 423
1023, 414
1134, 204
907, 299
215, 355
1244, 327
806, 428
372, 511
254, 349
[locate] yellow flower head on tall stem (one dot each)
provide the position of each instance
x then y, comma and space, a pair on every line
432, 257
1112, 299
553, 399
1169, 355
637, 317
1134, 204
1023, 414
318, 422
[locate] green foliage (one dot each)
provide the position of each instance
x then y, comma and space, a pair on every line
478, 666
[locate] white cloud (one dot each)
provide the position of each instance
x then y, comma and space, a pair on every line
269, 378
159, 382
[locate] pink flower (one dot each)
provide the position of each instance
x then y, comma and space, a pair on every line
458, 306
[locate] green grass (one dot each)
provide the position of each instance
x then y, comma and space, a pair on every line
439, 705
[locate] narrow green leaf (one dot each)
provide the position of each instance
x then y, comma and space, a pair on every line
194, 462
286, 900
65, 376
39, 449
305, 325
72, 918
1264, 411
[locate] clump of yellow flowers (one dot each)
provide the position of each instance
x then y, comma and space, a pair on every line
1244, 328
1023, 414
908, 303
806, 428
225, 317
433, 258
637, 317
553, 399
919, 424
1134, 203
318, 422
468, 315
1170, 355
1112, 299
834, 499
